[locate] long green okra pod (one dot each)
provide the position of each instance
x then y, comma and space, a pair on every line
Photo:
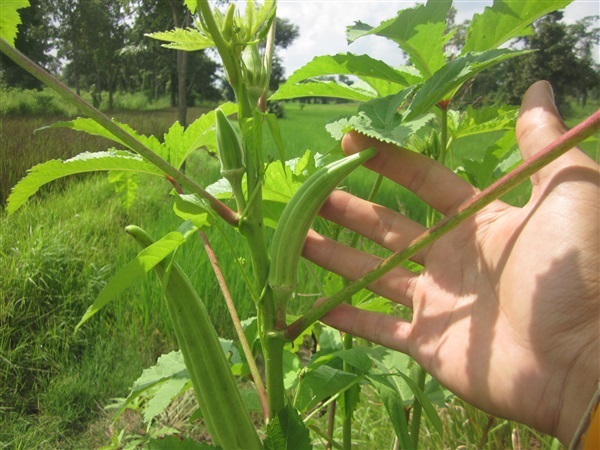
296, 219
226, 416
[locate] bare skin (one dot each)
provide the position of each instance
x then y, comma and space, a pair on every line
506, 311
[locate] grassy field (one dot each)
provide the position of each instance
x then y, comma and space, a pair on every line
66, 243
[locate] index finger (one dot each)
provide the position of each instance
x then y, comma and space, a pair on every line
435, 184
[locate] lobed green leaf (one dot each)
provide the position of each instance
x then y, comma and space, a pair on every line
92, 127
200, 133
319, 384
10, 18
126, 185
419, 31
287, 431
188, 39
394, 406
483, 120
505, 20
145, 261
349, 64
396, 131
322, 89
446, 81
84, 162
192, 207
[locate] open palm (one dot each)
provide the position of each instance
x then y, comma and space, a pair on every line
506, 311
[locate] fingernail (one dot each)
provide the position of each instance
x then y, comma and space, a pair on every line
550, 92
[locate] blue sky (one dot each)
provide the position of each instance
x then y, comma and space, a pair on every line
322, 25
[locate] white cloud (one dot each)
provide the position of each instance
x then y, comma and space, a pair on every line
323, 25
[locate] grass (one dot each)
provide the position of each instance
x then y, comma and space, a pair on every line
65, 244
44, 102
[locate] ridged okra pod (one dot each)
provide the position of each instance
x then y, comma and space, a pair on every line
231, 155
226, 416
297, 217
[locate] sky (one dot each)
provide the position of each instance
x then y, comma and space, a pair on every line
322, 25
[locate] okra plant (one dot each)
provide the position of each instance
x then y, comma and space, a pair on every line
408, 106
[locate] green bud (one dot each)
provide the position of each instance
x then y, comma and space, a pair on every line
255, 72
231, 152
228, 27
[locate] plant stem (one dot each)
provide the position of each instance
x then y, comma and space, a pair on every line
239, 330
49, 80
252, 227
232, 69
417, 409
548, 154
349, 396
330, 424
443, 134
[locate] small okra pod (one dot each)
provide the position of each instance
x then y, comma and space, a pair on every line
231, 154
297, 217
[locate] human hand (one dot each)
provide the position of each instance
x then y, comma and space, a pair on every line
506, 310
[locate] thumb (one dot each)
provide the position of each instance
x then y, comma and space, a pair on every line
538, 125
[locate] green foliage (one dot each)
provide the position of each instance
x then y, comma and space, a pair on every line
85, 162
287, 432
419, 31
144, 262
506, 20
401, 106
10, 19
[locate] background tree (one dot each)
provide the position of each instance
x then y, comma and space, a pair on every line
562, 55
90, 35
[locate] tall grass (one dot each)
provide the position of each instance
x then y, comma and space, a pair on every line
21, 147
46, 102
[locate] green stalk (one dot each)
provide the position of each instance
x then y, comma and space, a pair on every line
251, 225
232, 68
443, 134
548, 154
349, 395
417, 409
49, 80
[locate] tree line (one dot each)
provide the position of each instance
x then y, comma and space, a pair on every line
99, 46
561, 53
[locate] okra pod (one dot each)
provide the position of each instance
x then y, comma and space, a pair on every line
224, 411
297, 217
231, 155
